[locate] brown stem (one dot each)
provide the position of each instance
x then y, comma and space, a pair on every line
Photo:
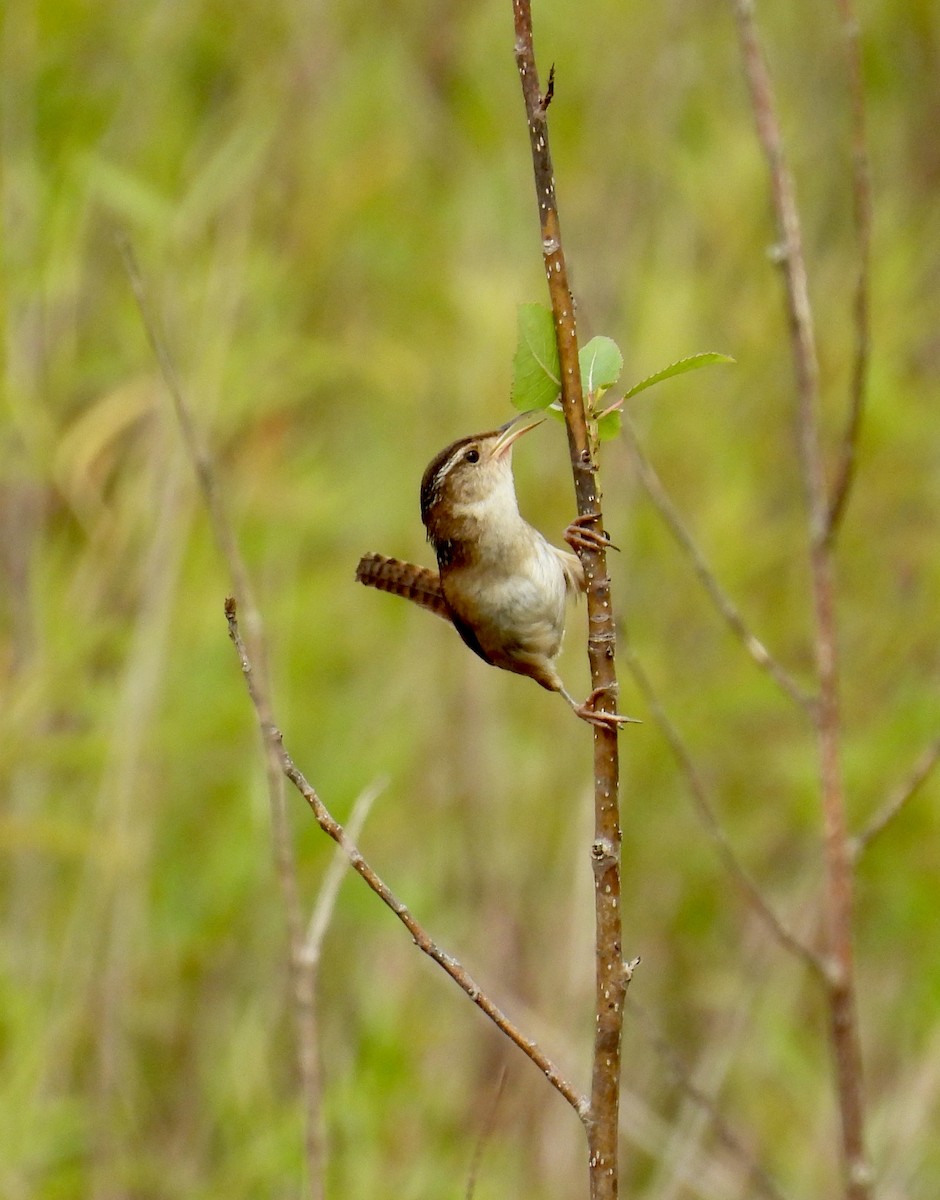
840, 978
330, 826
612, 974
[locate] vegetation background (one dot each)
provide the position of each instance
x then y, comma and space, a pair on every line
334, 209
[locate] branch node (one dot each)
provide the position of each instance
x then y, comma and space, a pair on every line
545, 101
604, 854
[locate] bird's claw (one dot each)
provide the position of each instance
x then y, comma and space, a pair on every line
603, 720
580, 536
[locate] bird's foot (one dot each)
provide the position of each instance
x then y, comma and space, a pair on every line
603, 720
580, 536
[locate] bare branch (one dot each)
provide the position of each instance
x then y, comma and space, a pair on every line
611, 974
422, 939
336, 872
896, 801
706, 812
722, 601
862, 205
840, 978
306, 978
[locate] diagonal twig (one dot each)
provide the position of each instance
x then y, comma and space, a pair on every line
485, 1134
306, 979
422, 939
335, 874
662, 501
762, 1183
709, 819
897, 799
862, 206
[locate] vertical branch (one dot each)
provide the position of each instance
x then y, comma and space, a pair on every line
612, 975
862, 204
840, 978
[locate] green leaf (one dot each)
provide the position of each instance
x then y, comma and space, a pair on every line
692, 363
608, 426
601, 364
536, 375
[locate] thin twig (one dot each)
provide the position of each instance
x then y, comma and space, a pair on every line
897, 800
336, 872
611, 973
657, 493
486, 1132
862, 205
708, 817
306, 978
682, 1076
227, 543
840, 977
330, 826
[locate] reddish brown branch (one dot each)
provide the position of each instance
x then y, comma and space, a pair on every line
330, 826
611, 973
840, 976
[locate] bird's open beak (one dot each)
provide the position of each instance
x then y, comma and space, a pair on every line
514, 429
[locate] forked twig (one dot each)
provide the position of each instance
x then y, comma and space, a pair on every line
330, 826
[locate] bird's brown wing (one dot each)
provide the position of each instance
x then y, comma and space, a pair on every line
420, 584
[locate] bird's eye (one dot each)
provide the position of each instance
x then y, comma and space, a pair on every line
472, 456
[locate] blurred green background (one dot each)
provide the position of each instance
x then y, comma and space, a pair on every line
333, 207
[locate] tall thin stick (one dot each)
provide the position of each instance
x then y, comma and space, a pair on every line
612, 974
227, 543
840, 976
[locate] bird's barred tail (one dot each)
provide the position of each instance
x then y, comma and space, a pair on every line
420, 584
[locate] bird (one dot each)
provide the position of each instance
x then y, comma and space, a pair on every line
499, 582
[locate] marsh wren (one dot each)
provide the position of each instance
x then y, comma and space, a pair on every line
499, 582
